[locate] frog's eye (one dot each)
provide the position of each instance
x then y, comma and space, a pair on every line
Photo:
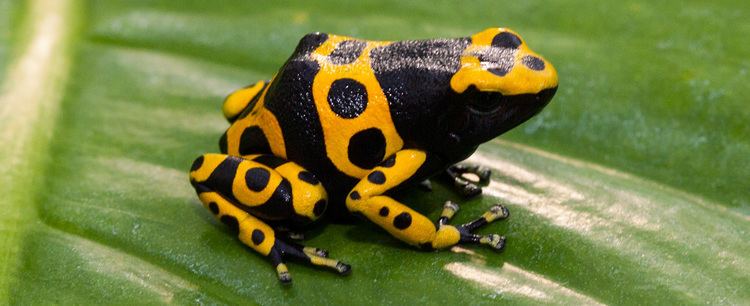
506, 40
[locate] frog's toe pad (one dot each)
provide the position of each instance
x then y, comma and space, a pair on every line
469, 190
495, 241
343, 269
315, 251
497, 212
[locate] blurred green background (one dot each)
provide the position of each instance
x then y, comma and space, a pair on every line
631, 187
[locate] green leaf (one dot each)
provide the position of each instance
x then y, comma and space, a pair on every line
630, 188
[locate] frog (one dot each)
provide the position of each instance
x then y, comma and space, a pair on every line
347, 123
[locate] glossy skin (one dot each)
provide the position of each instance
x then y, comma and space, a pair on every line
344, 121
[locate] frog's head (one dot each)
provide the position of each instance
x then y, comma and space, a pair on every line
500, 84
450, 95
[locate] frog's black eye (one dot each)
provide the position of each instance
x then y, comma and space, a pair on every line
481, 101
506, 40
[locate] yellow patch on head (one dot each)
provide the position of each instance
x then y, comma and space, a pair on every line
521, 79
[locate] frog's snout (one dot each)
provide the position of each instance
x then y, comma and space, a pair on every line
499, 61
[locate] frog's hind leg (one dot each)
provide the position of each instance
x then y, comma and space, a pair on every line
245, 193
242, 100
468, 179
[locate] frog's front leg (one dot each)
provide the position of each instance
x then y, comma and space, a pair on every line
243, 193
406, 224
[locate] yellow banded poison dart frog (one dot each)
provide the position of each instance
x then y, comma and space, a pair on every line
345, 121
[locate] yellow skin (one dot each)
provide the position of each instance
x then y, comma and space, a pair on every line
261, 177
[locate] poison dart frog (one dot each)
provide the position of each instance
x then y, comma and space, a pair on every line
345, 122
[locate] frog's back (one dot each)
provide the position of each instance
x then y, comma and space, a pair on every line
324, 110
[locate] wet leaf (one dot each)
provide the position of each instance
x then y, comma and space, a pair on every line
630, 187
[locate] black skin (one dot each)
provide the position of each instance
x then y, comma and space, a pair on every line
428, 115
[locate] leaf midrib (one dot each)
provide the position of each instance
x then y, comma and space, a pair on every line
29, 100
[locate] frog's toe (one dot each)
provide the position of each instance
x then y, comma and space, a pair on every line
483, 173
343, 269
468, 179
494, 241
283, 273
312, 255
468, 189
315, 251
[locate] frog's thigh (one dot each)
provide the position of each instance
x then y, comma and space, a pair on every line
401, 221
265, 186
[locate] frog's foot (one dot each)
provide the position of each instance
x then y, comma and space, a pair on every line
468, 179
495, 241
318, 257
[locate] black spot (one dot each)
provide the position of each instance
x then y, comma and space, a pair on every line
348, 98
389, 162
278, 207
197, 163
257, 178
308, 177
383, 212
497, 61
257, 237
289, 97
310, 42
402, 221
500, 71
222, 178
355, 195
253, 141
367, 148
232, 223
214, 208
270, 161
320, 207
223, 143
506, 40
376, 177
533, 62
347, 51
